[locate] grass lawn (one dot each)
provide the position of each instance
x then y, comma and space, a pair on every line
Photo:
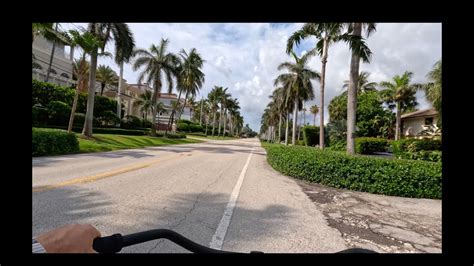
212, 137
110, 142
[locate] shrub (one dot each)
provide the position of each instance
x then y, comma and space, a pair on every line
79, 119
177, 135
116, 131
58, 113
39, 115
188, 126
311, 135
198, 134
183, 127
108, 118
146, 123
417, 149
53, 141
338, 146
404, 178
131, 121
367, 145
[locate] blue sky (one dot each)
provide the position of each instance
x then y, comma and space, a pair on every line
244, 56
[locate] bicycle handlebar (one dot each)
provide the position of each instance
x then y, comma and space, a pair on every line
115, 243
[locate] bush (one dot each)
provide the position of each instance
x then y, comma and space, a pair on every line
367, 145
79, 119
39, 115
43, 93
188, 126
183, 127
404, 178
146, 123
58, 113
53, 141
417, 149
116, 131
177, 135
131, 121
108, 118
338, 146
311, 135
198, 134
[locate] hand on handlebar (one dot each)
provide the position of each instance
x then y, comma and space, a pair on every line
72, 238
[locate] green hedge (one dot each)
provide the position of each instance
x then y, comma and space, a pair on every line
368, 145
337, 146
418, 179
418, 149
311, 135
188, 126
117, 131
53, 141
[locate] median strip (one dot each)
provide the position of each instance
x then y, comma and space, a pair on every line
87, 179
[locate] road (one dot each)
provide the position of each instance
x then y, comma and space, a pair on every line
218, 193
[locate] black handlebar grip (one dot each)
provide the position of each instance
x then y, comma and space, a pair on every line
108, 244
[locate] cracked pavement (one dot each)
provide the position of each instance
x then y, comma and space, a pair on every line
187, 188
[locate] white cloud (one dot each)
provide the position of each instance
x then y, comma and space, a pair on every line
244, 56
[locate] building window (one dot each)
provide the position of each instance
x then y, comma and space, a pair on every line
429, 121
64, 75
52, 71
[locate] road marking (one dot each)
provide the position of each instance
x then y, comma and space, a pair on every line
87, 179
221, 231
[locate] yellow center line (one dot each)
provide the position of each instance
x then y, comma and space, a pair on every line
87, 179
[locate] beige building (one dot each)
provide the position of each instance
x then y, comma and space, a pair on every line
415, 122
130, 95
61, 68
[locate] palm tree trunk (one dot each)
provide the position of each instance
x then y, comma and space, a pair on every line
73, 109
314, 122
87, 130
119, 90
295, 118
286, 130
352, 95
213, 123
397, 125
51, 57
153, 101
200, 113
279, 129
220, 119
184, 105
102, 86
225, 121
299, 126
323, 79
171, 118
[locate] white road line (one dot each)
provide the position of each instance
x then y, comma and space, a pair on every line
221, 231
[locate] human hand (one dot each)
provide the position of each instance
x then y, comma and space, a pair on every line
72, 238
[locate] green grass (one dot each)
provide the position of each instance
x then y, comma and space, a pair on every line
110, 142
212, 137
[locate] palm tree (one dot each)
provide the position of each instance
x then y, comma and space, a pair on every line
145, 102
124, 44
40, 29
158, 62
363, 83
214, 98
298, 79
106, 75
81, 68
314, 110
55, 36
400, 91
359, 51
279, 98
223, 96
191, 74
433, 88
232, 108
326, 34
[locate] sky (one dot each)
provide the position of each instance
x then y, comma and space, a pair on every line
244, 57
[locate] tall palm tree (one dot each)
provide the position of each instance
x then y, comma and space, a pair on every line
232, 108
157, 62
191, 74
214, 99
326, 34
363, 83
55, 36
314, 110
298, 79
124, 44
359, 51
106, 75
400, 91
81, 68
433, 88
279, 98
145, 102
223, 96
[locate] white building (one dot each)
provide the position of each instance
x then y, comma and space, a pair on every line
415, 122
61, 67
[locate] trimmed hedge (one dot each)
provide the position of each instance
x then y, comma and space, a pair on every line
188, 126
311, 135
405, 178
53, 141
368, 145
117, 131
418, 149
338, 146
